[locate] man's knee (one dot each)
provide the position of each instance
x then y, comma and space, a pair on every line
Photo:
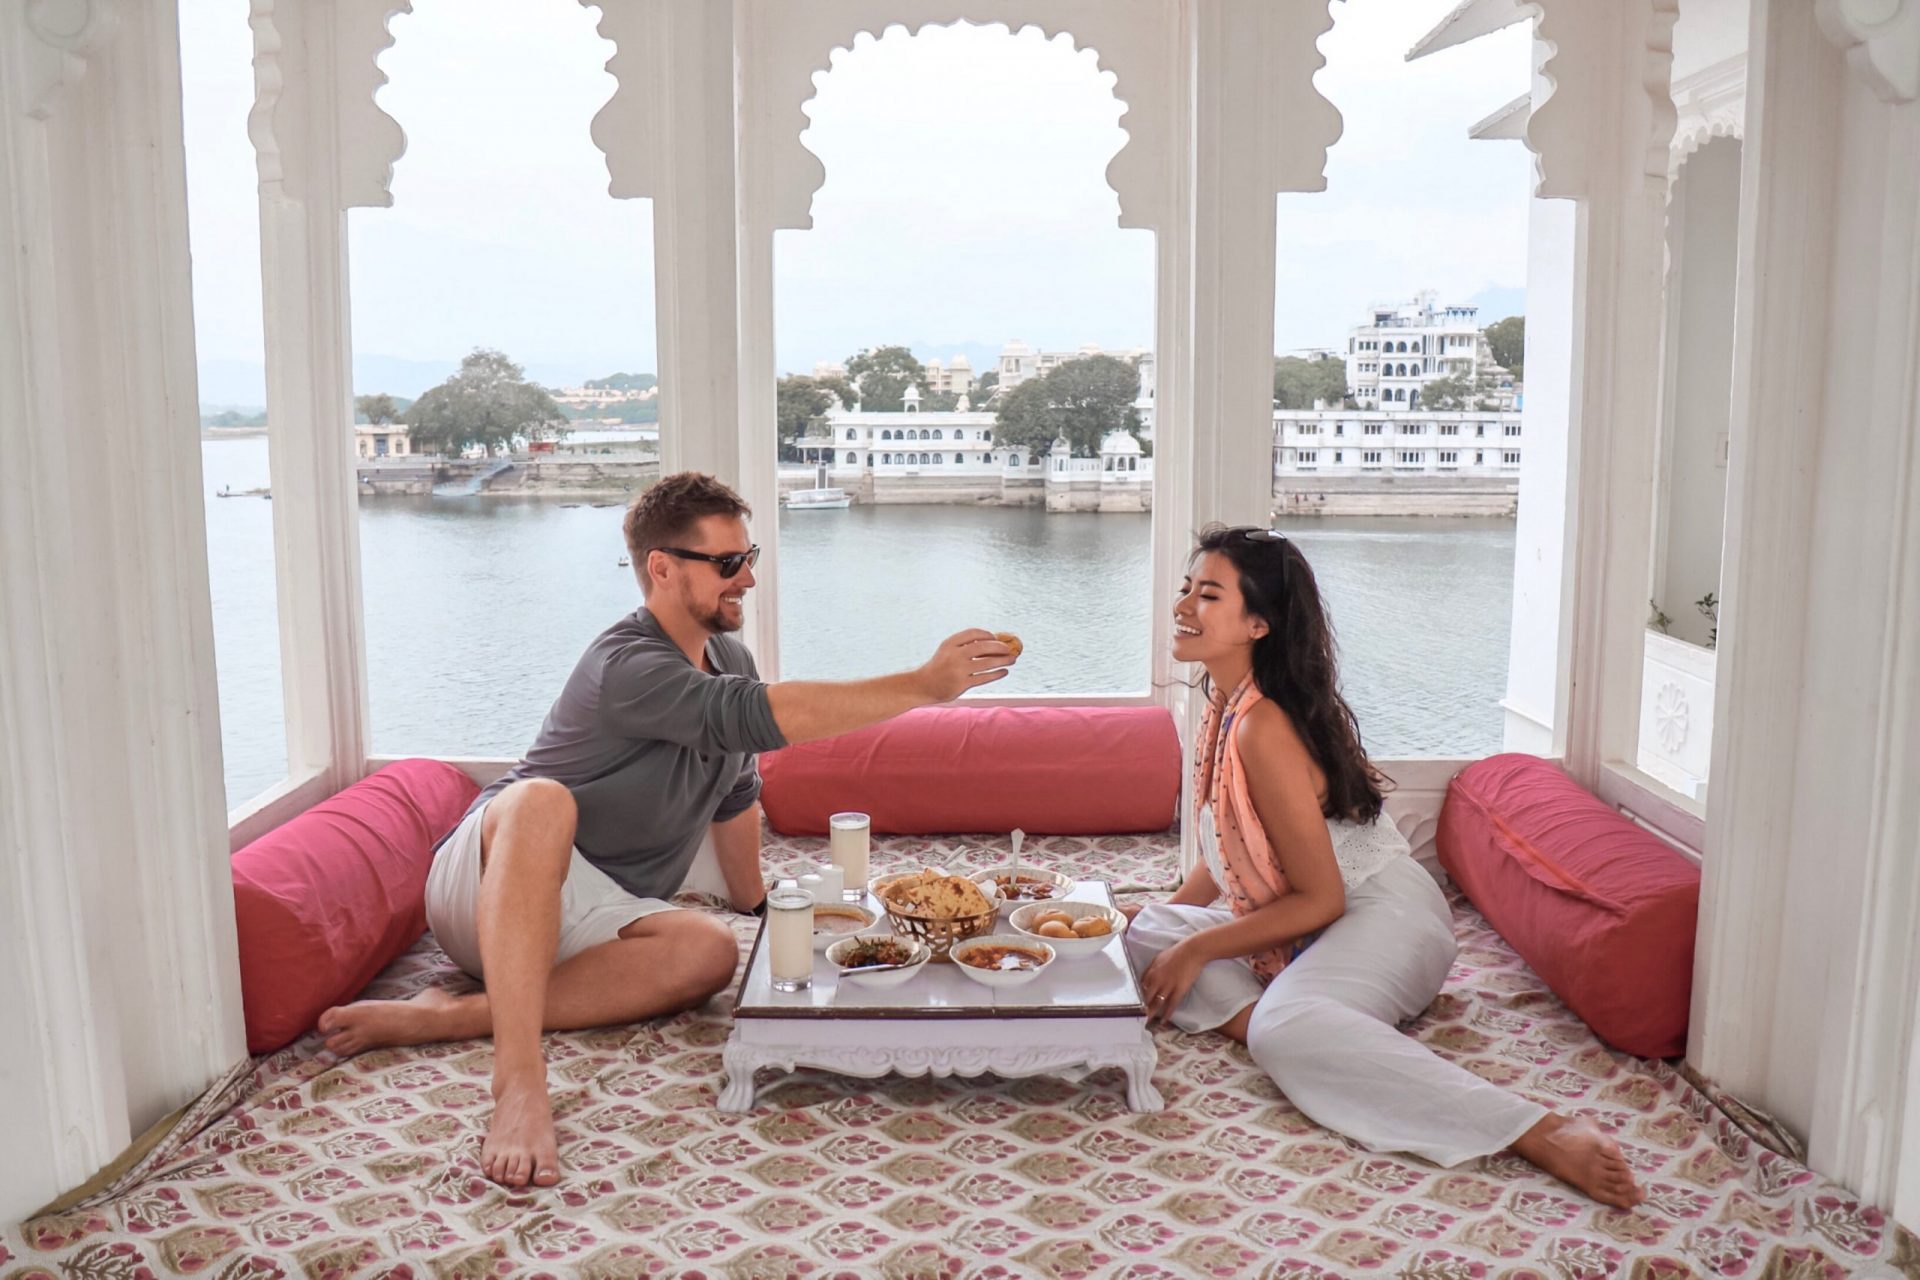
541, 814
702, 948
714, 950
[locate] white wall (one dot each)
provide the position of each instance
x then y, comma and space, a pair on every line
1536, 664
1703, 227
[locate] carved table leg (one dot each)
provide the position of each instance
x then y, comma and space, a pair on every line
1139, 1065
739, 1061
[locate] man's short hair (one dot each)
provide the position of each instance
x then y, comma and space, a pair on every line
664, 515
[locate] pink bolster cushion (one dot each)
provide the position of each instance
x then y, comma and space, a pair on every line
1046, 770
1602, 909
325, 902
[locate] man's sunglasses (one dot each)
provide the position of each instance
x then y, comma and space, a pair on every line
729, 564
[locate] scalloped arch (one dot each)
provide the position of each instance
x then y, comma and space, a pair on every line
1698, 132
371, 141
800, 173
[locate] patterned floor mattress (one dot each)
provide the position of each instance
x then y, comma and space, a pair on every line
321, 1168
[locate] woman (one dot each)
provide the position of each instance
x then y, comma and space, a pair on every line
1332, 934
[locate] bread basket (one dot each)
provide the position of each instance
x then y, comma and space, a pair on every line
939, 933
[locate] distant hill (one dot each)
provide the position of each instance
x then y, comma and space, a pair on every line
622, 382
242, 384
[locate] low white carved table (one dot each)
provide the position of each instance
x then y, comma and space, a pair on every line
1079, 1016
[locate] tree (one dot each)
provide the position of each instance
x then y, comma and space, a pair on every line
983, 388
842, 390
378, 410
883, 375
488, 402
1457, 391
1297, 382
1507, 339
1082, 400
799, 403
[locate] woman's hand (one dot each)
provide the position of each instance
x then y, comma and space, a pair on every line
1168, 979
1131, 909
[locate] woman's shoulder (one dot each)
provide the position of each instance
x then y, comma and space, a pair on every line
1267, 733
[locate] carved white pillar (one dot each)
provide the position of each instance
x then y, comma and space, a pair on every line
670, 133
1257, 127
1807, 964
116, 908
322, 147
1600, 127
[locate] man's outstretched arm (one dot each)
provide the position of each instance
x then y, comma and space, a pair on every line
809, 709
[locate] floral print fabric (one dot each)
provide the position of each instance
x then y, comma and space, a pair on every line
327, 1169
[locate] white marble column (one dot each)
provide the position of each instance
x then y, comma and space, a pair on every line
1807, 965
116, 911
322, 148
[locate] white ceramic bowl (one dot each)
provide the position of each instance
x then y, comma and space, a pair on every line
1062, 886
858, 920
838, 952
1069, 948
1002, 977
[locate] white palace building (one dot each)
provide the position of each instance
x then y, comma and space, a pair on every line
1723, 395
1404, 347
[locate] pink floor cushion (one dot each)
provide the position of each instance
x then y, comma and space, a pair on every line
1047, 770
325, 902
1603, 910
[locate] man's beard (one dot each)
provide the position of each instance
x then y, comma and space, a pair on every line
715, 620
718, 622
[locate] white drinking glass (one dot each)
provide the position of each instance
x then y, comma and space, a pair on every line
848, 842
790, 938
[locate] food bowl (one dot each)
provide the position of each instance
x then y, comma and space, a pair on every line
1035, 885
839, 951
938, 932
1023, 922
1006, 943
834, 921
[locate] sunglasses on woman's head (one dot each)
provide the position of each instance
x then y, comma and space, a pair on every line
729, 564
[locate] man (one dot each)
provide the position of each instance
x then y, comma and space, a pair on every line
552, 889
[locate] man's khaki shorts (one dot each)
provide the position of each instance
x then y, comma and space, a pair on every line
593, 906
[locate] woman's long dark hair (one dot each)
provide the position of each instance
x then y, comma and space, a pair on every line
1294, 665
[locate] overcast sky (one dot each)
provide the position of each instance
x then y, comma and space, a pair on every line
965, 201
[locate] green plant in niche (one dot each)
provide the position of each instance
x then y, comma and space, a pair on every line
1657, 620
1709, 607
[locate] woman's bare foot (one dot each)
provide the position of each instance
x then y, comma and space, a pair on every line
434, 1014
520, 1146
1577, 1153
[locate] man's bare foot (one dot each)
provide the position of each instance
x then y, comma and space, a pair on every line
520, 1146
375, 1024
1577, 1153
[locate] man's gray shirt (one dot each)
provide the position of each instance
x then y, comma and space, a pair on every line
653, 749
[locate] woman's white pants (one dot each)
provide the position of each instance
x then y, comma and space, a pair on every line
1326, 1029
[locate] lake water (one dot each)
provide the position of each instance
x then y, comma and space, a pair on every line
476, 609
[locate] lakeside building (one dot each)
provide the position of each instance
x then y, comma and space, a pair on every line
1370, 462
381, 440
595, 397
955, 377
941, 458
1392, 358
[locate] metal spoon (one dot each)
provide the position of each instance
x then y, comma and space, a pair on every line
879, 968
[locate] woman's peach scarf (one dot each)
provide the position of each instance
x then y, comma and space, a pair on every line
1253, 874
